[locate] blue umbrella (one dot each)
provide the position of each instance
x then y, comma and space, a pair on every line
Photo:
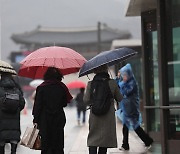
109, 58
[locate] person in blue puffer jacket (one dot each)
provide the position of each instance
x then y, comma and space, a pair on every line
129, 112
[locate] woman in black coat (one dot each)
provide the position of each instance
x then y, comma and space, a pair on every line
51, 97
10, 121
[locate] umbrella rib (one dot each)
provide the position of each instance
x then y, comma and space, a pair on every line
40, 66
28, 62
54, 62
62, 62
44, 61
106, 59
76, 58
77, 62
35, 73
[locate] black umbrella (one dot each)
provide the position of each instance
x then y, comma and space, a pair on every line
109, 58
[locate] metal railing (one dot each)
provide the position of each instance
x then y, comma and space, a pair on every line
163, 107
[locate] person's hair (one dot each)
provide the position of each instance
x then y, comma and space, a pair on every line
82, 90
101, 69
5, 74
53, 73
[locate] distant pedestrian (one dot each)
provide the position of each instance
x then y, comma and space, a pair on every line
100, 95
11, 104
129, 108
81, 106
51, 97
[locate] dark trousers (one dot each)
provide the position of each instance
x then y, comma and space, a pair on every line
125, 132
13, 149
52, 151
93, 150
140, 132
1, 149
144, 136
79, 115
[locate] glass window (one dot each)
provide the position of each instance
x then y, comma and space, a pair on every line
174, 71
174, 84
154, 121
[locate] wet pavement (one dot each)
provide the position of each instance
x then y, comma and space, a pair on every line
76, 137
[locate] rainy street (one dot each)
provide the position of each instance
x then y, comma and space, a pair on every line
83, 54
76, 137
71, 131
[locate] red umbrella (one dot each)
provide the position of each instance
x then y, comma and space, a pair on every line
65, 59
76, 84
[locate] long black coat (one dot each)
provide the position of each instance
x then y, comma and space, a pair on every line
10, 123
49, 115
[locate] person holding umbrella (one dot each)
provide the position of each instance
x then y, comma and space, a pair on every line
102, 128
129, 112
11, 104
51, 97
51, 63
100, 95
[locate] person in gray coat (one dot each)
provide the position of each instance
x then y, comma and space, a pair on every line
102, 129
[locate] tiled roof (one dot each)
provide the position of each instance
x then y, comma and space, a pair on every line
66, 36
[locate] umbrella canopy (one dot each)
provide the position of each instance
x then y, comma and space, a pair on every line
6, 68
36, 83
76, 85
106, 58
65, 59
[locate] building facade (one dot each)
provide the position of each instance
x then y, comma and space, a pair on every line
161, 66
88, 41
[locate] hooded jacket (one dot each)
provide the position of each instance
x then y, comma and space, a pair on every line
10, 123
129, 106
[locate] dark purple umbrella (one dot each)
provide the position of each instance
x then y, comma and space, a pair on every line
109, 58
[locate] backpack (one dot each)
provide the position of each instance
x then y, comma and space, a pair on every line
101, 96
10, 103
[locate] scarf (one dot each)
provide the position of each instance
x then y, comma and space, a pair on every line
56, 82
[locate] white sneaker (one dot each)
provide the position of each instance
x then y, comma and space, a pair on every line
147, 148
122, 149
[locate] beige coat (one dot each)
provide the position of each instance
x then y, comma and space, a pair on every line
102, 129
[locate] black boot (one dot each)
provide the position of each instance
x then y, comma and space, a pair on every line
13, 148
92, 150
2, 149
125, 145
144, 136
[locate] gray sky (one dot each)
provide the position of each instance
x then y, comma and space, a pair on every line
18, 16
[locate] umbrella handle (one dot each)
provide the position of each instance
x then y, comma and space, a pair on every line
89, 107
110, 72
35, 125
88, 77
